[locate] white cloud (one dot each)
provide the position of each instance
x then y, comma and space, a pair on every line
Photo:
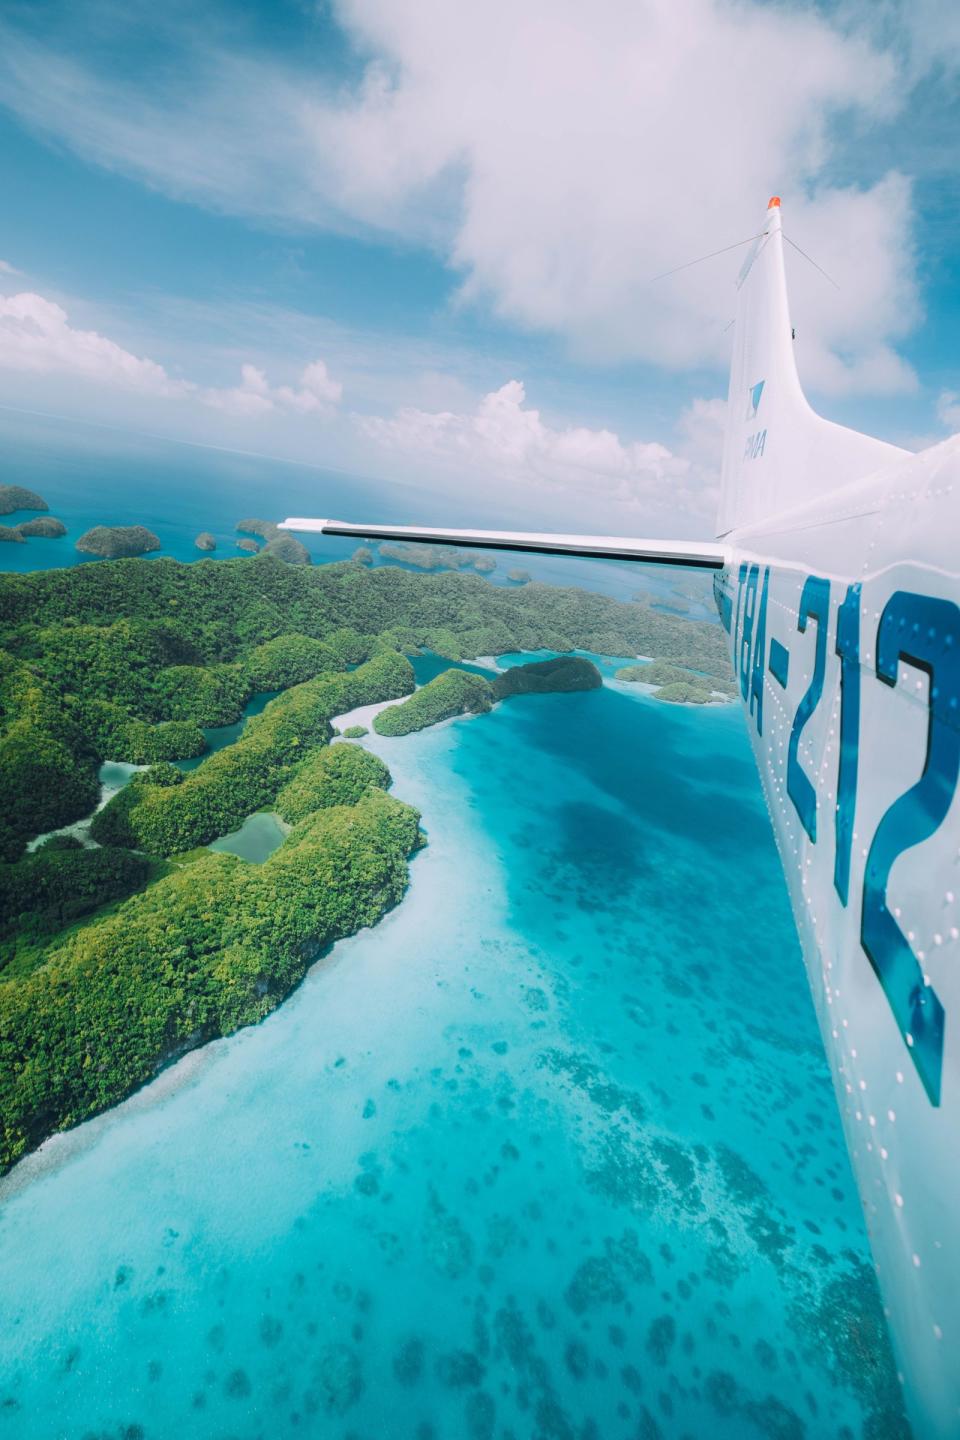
505, 440
948, 410
35, 335
317, 394
7, 269
556, 155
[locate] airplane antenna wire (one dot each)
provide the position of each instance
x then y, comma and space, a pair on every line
699, 261
812, 262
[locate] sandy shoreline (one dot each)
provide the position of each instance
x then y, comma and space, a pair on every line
362, 715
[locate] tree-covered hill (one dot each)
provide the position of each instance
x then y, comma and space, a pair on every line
114, 960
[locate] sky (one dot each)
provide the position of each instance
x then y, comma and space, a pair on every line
420, 240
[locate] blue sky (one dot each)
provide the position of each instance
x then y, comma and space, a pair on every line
416, 239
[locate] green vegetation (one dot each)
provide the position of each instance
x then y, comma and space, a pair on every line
542, 677
10, 534
355, 732
683, 693
436, 557
112, 541
335, 775
458, 692
103, 980
455, 692
126, 661
61, 881
205, 950
48, 769
15, 497
174, 815
278, 543
45, 527
654, 672
677, 684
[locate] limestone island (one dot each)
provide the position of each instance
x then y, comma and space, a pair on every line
278, 543
45, 527
519, 577
355, 732
114, 542
363, 555
678, 685
547, 677
15, 497
458, 692
11, 534
205, 541
250, 546
435, 557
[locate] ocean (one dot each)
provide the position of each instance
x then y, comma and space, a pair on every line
551, 1152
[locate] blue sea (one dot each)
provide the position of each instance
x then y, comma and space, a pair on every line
550, 1152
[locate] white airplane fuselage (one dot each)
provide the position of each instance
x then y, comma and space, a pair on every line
837, 577
848, 659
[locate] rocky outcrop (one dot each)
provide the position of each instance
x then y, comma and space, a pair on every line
205, 541
112, 542
278, 543
288, 549
548, 677
250, 546
12, 534
15, 497
44, 527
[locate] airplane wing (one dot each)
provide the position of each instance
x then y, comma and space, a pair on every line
704, 555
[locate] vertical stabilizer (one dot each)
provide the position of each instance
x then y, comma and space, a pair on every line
777, 451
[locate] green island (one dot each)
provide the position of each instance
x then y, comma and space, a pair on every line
44, 527
110, 542
548, 677
355, 732
455, 692
678, 684
435, 557
16, 497
120, 955
276, 542
459, 692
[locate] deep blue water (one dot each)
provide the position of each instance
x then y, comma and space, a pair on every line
550, 1152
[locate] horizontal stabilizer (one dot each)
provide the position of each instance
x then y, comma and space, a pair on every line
707, 556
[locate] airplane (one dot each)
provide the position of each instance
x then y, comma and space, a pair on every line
837, 578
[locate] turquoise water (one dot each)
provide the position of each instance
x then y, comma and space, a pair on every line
551, 1152
256, 840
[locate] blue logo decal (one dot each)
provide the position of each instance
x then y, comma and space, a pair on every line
754, 392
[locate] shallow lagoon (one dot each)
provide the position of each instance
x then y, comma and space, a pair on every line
552, 1151
255, 841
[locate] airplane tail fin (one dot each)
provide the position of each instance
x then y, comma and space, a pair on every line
778, 452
